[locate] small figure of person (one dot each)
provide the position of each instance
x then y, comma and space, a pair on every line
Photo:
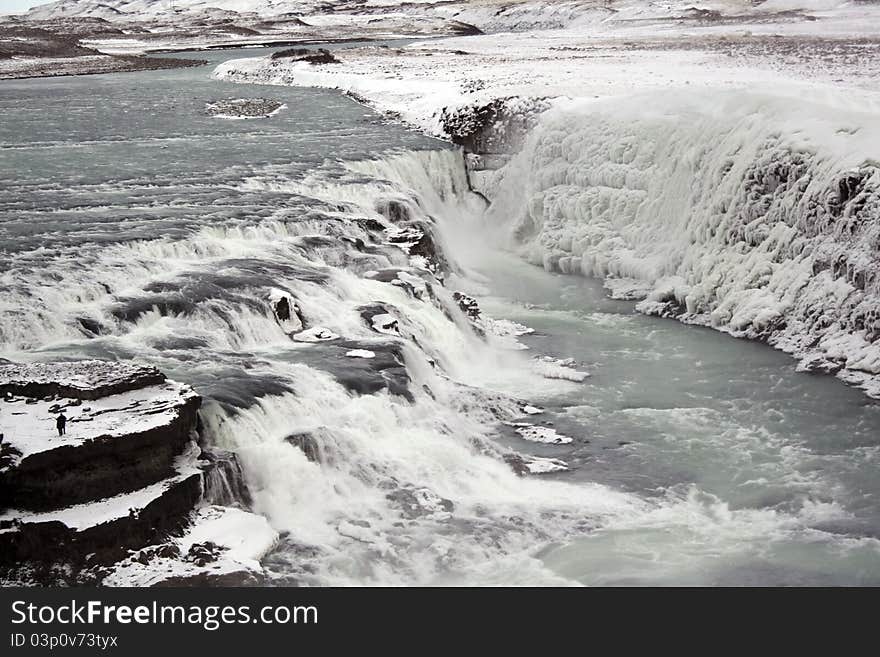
61, 423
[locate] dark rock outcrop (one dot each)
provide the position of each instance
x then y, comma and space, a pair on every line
54, 541
308, 444
498, 126
314, 57
419, 502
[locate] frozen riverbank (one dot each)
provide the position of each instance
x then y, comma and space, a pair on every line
594, 54
80, 38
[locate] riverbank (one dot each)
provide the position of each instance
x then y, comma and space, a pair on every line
423, 82
34, 51
20, 68
56, 41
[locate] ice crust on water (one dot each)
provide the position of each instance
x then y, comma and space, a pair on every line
539, 465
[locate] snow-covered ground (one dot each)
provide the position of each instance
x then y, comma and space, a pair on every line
29, 424
602, 57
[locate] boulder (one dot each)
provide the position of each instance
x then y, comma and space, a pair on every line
308, 444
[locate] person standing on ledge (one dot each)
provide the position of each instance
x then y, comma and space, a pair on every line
61, 423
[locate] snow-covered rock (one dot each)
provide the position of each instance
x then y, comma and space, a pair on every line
539, 434
221, 546
539, 465
125, 473
315, 334
244, 108
286, 311
125, 426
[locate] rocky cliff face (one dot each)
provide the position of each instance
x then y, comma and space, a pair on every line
126, 473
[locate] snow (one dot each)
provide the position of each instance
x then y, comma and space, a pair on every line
293, 324
553, 368
244, 537
244, 108
83, 375
504, 331
715, 211
30, 427
385, 323
360, 353
541, 465
315, 334
538, 434
83, 516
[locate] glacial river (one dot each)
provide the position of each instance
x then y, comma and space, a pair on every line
135, 226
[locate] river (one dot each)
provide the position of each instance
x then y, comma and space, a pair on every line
135, 226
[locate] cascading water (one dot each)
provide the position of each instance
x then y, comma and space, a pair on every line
383, 421
408, 486
403, 491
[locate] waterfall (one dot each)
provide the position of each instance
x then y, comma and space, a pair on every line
713, 210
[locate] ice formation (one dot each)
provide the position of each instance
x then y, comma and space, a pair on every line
714, 213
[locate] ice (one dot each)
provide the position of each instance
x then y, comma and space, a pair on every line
539, 434
540, 465
360, 353
718, 212
315, 334
80, 377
